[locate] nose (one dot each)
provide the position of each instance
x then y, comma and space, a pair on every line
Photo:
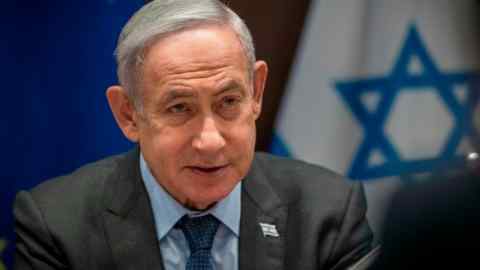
209, 139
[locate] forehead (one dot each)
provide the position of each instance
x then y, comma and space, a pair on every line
200, 49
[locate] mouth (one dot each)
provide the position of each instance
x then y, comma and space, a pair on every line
208, 170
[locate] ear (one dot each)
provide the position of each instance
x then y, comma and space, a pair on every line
124, 112
259, 81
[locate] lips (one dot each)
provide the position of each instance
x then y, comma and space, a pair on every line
208, 170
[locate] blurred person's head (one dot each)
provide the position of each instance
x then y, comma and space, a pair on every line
433, 224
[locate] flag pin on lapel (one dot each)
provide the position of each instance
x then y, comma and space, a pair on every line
269, 230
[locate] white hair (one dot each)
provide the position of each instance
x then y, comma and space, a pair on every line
162, 17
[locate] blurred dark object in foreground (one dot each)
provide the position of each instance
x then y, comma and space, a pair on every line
435, 224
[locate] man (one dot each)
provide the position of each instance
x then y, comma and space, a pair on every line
193, 195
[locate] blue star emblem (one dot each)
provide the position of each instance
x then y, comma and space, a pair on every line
388, 88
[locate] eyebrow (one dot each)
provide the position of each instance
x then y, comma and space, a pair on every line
173, 94
228, 86
176, 93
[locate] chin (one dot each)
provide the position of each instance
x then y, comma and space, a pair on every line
200, 206
208, 199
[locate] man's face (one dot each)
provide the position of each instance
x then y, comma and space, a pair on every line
197, 127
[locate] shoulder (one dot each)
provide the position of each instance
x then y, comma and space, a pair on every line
328, 209
79, 192
296, 179
61, 214
89, 176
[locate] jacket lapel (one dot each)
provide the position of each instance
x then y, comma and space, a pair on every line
263, 216
128, 219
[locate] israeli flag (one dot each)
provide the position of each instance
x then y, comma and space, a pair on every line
383, 91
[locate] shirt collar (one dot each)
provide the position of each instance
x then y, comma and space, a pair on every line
167, 211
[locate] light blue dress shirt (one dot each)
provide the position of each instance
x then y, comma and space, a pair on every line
173, 245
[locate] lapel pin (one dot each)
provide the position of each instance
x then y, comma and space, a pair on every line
269, 230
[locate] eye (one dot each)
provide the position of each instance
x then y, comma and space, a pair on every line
230, 101
229, 107
178, 108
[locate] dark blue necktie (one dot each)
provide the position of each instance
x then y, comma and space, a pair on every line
199, 232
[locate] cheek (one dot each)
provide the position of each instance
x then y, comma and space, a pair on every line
165, 147
245, 129
242, 140
164, 139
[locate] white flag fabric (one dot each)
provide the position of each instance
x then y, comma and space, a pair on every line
383, 91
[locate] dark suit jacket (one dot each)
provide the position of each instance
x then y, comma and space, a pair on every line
99, 217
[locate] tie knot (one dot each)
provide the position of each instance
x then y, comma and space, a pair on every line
199, 231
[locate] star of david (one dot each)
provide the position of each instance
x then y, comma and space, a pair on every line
388, 88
